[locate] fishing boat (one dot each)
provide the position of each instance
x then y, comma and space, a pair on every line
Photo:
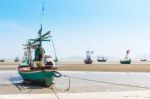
144, 59
101, 59
126, 60
41, 70
44, 74
17, 59
2, 60
88, 59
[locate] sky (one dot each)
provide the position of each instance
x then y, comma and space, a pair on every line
107, 27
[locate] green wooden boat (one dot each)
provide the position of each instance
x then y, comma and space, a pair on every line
30, 73
43, 75
41, 70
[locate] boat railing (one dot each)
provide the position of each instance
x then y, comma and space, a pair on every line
28, 68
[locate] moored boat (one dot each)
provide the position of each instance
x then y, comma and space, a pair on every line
126, 60
17, 59
37, 71
2, 60
143, 60
101, 59
88, 59
41, 70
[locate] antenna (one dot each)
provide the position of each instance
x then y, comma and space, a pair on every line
42, 15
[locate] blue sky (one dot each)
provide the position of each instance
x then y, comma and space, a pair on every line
108, 27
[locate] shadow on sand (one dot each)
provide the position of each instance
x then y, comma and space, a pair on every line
27, 86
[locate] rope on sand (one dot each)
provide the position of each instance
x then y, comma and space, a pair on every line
135, 86
54, 91
68, 85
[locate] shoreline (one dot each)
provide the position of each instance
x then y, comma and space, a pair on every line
91, 91
101, 67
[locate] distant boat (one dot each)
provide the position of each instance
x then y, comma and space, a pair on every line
2, 60
143, 59
17, 59
101, 59
88, 59
126, 60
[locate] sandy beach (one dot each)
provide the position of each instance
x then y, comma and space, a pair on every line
102, 95
111, 72
80, 66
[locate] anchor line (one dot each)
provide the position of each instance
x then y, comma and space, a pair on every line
54, 91
68, 88
135, 86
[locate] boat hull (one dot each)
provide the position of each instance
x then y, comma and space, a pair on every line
88, 61
125, 62
143, 60
101, 60
44, 78
39, 76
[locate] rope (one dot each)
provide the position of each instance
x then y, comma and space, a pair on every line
68, 85
55, 94
54, 91
106, 82
56, 59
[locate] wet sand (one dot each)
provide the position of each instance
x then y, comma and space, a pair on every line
79, 92
36, 92
135, 82
97, 95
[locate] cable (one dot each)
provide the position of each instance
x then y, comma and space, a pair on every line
107, 82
